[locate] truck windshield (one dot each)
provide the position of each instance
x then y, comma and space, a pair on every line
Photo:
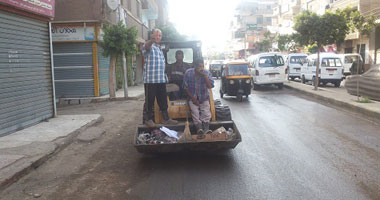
187, 55
216, 67
271, 61
237, 70
297, 59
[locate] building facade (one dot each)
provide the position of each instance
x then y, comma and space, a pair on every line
81, 69
252, 20
26, 81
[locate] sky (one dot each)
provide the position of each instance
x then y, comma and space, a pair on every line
206, 20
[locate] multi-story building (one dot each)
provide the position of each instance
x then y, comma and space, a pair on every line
370, 45
251, 21
283, 16
80, 68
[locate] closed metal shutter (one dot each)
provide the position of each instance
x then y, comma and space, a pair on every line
73, 70
25, 72
104, 63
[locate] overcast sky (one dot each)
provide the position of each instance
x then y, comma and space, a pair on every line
207, 20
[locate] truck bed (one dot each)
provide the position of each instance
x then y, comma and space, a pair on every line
213, 146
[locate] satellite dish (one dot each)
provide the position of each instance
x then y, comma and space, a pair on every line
113, 4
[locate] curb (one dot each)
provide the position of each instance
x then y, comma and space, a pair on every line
60, 144
369, 113
73, 101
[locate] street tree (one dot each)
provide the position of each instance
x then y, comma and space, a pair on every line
363, 25
266, 44
320, 30
117, 40
287, 43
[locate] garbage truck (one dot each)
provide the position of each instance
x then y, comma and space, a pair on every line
225, 135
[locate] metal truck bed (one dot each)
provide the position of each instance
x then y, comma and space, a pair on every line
213, 146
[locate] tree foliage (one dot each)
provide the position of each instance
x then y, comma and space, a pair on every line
170, 33
118, 39
266, 44
322, 30
287, 43
359, 23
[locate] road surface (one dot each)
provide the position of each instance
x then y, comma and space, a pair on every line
292, 148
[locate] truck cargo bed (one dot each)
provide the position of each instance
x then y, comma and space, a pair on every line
190, 146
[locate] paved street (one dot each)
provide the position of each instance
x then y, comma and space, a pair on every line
292, 148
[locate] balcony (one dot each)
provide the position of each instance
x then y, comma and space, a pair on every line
341, 4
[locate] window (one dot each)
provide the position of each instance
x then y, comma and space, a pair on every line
271, 61
268, 20
331, 62
260, 20
138, 9
187, 55
129, 5
268, 7
297, 59
237, 70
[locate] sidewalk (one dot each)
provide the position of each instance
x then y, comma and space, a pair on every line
134, 93
338, 97
26, 149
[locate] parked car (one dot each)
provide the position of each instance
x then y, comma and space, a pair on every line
294, 64
330, 71
369, 83
350, 63
267, 69
215, 68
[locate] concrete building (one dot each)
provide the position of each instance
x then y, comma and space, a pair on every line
26, 78
370, 45
283, 16
80, 68
252, 19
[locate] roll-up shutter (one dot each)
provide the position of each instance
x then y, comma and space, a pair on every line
73, 69
26, 95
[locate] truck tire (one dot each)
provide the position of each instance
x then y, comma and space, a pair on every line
223, 113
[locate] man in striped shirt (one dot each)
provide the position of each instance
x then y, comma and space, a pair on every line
155, 79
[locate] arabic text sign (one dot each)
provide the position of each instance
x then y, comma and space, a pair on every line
40, 7
72, 33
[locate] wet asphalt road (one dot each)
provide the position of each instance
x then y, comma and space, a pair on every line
292, 148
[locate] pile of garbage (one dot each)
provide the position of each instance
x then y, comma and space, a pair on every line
167, 136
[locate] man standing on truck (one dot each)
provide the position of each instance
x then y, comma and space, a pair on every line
197, 82
176, 72
155, 79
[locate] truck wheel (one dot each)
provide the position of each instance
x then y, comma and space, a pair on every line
303, 79
280, 86
239, 97
255, 86
337, 84
223, 113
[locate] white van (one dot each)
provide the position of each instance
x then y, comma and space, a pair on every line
267, 69
294, 64
349, 60
330, 71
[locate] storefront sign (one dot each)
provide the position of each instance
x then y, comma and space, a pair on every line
72, 33
40, 7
